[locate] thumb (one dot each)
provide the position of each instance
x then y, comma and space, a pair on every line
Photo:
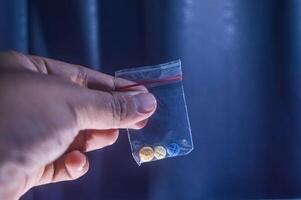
112, 110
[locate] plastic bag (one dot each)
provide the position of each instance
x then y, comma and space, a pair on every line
167, 133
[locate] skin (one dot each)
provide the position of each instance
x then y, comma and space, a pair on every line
52, 113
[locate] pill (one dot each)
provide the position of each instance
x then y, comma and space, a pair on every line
146, 154
160, 152
173, 149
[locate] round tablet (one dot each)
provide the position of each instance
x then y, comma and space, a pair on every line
160, 152
173, 149
146, 154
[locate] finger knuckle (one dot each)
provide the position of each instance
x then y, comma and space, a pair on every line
80, 77
120, 108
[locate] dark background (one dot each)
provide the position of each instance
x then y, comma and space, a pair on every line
241, 62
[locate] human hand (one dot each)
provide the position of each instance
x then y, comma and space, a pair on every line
52, 112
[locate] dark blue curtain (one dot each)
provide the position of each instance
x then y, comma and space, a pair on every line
241, 62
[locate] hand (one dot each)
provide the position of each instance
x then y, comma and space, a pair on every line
52, 112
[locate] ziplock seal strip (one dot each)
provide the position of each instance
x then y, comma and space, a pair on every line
148, 69
150, 82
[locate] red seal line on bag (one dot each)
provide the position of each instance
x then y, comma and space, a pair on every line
151, 82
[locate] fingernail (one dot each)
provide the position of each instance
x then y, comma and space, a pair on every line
81, 164
145, 102
81, 167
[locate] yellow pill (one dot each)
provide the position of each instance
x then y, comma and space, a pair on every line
160, 152
146, 154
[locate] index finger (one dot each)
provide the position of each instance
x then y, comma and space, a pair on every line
75, 73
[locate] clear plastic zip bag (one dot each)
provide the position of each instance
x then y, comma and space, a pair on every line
167, 133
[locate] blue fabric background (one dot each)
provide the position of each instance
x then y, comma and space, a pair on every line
241, 62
